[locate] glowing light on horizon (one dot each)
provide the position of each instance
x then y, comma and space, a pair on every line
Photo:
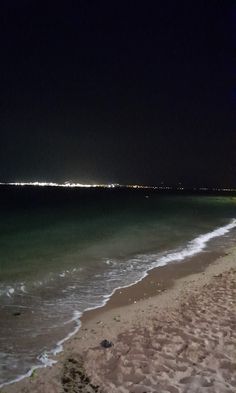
112, 185
74, 185
49, 184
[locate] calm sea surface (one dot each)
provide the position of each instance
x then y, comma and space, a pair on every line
63, 251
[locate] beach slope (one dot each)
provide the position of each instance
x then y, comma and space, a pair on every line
182, 339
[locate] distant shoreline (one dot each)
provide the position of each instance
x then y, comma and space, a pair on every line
114, 186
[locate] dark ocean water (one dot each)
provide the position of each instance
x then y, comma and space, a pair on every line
63, 251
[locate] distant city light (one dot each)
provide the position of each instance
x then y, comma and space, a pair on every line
114, 185
49, 184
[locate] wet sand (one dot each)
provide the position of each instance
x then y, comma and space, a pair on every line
175, 331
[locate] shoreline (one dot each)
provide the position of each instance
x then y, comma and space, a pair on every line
182, 257
163, 287
156, 281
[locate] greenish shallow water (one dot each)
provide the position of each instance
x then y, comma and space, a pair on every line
64, 251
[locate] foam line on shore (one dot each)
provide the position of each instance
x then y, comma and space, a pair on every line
196, 245
192, 248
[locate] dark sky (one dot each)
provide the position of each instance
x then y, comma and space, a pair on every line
118, 91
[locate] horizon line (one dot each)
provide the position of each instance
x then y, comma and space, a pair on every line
115, 185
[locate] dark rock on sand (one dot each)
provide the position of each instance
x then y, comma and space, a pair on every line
106, 344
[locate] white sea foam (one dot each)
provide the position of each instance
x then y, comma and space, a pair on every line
192, 248
154, 260
45, 357
19, 288
9, 291
45, 360
22, 288
23, 376
196, 245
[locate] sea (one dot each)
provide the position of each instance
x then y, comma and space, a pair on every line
64, 251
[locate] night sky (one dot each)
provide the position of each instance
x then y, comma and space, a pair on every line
118, 91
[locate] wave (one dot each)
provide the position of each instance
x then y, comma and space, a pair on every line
196, 245
26, 288
192, 248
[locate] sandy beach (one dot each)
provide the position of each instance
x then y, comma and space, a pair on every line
175, 331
